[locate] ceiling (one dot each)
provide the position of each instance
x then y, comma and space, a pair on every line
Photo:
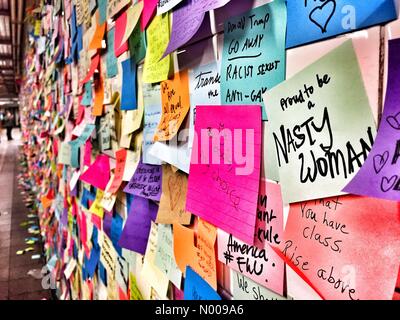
11, 29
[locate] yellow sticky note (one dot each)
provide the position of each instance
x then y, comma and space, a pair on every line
156, 70
96, 207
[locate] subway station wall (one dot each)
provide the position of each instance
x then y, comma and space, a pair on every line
121, 101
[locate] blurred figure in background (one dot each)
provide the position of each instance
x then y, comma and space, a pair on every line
1, 122
9, 124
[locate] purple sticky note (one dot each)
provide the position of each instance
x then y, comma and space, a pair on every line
187, 20
136, 231
379, 177
146, 182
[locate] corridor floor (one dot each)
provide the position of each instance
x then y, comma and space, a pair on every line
15, 283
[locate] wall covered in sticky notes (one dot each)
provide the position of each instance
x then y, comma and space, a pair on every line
218, 149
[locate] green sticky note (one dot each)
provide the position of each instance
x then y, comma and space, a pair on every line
137, 44
322, 126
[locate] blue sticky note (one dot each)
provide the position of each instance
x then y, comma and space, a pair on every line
128, 96
111, 59
92, 262
310, 20
116, 230
88, 94
254, 56
196, 288
102, 5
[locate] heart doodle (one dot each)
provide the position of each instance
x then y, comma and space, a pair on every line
388, 184
394, 122
380, 161
321, 15
174, 189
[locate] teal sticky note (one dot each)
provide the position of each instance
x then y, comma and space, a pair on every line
137, 44
253, 58
102, 5
75, 147
111, 59
88, 94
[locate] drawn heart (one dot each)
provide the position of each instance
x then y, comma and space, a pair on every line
323, 14
394, 122
388, 184
174, 188
380, 161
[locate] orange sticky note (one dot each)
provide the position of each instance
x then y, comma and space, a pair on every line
119, 170
46, 202
184, 249
175, 106
98, 35
98, 98
206, 265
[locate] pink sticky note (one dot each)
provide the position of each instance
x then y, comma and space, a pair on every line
88, 154
98, 173
149, 10
344, 247
120, 26
263, 266
225, 168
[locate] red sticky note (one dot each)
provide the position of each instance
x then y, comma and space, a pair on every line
119, 170
344, 247
93, 66
120, 26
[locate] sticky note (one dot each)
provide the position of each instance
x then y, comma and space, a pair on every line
146, 182
132, 16
87, 96
310, 21
98, 173
185, 251
115, 6
119, 170
164, 259
137, 227
152, 116
173, 198
175, 106
187, 19
148, 12
111, 59
120, 26
205, 89
206, 263
137, 44
128, 96
243, 288
198, 289
379, 176
335, 244
317, 151
93, 67
156, 70
254, 56
96, 42
150, 273
166, 5
223, 186
256, 263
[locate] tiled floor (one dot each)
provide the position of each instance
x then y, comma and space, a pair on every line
15, 283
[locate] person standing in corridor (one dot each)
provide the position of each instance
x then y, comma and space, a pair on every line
9, 124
